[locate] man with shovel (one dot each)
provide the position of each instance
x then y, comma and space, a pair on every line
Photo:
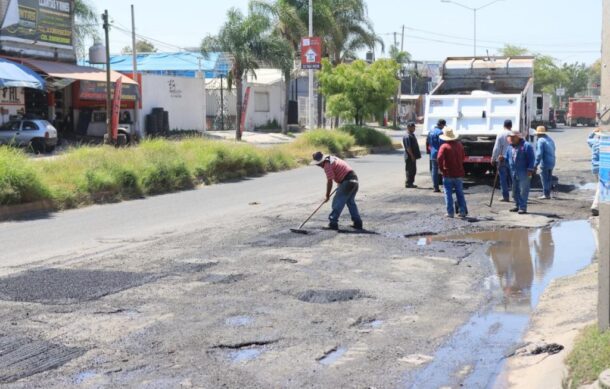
340, 172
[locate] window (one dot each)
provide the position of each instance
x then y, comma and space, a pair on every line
29, 126
10, 126
99, 117
261, 101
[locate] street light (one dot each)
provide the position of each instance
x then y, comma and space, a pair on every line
474, 10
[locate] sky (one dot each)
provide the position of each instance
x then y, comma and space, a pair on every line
568, 30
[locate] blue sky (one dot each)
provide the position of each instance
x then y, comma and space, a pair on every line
568, 30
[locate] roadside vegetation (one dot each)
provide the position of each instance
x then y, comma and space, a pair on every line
590, 357
87, 175
367, 137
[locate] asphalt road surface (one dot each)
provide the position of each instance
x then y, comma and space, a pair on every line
208, 288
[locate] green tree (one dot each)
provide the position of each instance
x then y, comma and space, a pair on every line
595, 73
86, 25
357, 90
142, 46
513, 51
249, 42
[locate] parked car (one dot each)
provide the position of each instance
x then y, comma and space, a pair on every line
39, 135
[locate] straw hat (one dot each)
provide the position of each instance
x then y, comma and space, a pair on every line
449, 135
515, 133
541, 130
318, 158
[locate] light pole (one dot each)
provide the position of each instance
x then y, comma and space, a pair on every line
474, 10
310, 96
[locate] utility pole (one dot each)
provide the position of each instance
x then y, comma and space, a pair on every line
310, 98
222, 106
603, 305
395, 40
108, 83
136, 107
402, 39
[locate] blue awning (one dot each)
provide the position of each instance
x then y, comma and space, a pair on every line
13, 74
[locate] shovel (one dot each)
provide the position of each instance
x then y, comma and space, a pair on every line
300, 230
493, 192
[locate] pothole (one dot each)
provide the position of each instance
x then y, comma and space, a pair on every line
330, 296
239, 321
332, 356
223, 278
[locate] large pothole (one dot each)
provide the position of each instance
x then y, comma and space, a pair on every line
330, 296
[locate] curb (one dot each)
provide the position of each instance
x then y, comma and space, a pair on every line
12, 212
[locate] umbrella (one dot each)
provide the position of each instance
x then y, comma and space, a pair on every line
13, 74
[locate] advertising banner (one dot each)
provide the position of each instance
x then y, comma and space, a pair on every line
311, 53
96, 91
39, 22
116, 108
604, 168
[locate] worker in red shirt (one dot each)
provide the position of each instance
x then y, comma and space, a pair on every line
451, 164
340, 172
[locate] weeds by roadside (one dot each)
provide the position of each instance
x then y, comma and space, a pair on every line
366, 136
590, 356
87, 175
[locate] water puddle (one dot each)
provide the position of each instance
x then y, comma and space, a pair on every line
245, 355
525, 263
588, 186
333, 356
239, 321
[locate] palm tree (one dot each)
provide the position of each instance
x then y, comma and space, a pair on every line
86, 24
248, 41
289, 28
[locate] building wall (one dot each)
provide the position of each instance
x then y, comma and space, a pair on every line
184, 99
266, 112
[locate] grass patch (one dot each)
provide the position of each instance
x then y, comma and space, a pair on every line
86, 175
590, 357
19, 182
367, 137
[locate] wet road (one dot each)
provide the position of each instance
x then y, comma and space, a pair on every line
207, 288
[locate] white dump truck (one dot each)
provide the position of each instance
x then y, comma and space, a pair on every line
475, 96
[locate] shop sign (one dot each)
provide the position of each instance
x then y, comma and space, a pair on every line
96, 91
12, 96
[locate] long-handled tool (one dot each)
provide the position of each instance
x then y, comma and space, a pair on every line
300, 230
493, 191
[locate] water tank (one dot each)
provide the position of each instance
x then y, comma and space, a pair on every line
97, 53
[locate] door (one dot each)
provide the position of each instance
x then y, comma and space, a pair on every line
29, 130
9, 132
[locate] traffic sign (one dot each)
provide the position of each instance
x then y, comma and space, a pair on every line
311, 53
560, 92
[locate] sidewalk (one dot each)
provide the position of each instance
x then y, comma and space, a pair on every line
255, 138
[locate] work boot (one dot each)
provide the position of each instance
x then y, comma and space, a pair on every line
514, 209
522, 212
357, 225
333, 226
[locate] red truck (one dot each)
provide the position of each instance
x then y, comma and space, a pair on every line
582, 111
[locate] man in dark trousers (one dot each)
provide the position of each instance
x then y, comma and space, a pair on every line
522, 164
433, 144
412, 154
340, 172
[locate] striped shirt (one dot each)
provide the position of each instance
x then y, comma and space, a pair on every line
336, 169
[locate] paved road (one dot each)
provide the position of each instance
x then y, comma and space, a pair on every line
80, 231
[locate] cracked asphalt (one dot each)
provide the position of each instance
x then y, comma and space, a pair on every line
213, 290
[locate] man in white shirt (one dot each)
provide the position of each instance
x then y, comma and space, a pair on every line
497, 159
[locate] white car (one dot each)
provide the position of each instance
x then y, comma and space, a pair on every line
39, 135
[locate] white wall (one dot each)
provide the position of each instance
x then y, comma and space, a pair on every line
184, 98
276, 105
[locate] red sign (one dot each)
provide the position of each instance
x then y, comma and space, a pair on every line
116, 108
311, 53
244, 110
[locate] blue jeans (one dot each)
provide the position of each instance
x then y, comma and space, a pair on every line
450, 184
504, 174
546, 176
521, 190
346, 195
435, 174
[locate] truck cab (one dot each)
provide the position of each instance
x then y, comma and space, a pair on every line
475, 96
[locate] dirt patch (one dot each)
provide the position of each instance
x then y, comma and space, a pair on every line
330, 296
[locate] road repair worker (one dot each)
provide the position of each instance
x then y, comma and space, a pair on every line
545, 159
498, 161
451, 165
412, 154
340, 172
521, 161
593, 141
433, 144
